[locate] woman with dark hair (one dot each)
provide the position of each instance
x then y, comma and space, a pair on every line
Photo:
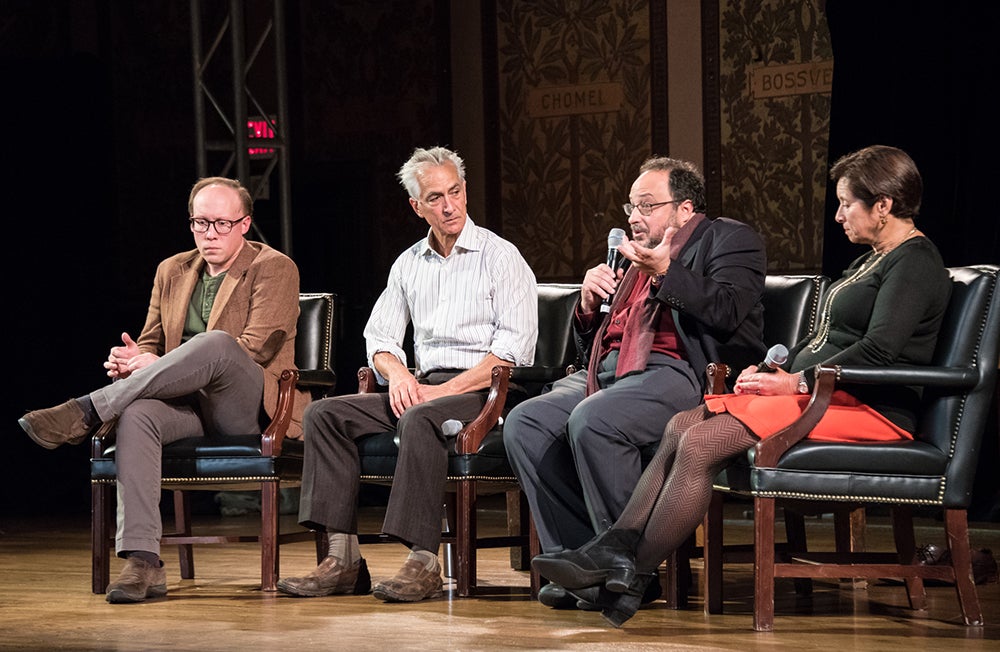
885, 309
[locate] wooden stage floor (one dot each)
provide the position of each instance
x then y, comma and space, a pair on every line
46, 604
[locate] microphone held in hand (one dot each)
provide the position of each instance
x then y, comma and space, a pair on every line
776, 356
615, 238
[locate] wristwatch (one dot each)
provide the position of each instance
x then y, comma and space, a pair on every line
803, 387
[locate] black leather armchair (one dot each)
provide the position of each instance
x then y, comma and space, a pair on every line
936, 469
478, 463
264, 462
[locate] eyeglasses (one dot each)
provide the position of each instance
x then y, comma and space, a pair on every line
645, 208
222, 227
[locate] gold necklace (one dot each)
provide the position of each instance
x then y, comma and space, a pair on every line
823, 332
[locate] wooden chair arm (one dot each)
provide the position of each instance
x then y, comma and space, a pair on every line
716, 374
769, 451
366, 380
470, 438
274, 434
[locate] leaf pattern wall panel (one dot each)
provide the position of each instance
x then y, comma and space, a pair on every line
775, 70
565, 170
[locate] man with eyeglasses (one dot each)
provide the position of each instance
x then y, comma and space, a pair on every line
220, 328
473, 304
691, 295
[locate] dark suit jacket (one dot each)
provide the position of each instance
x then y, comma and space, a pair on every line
715, 295
257, 303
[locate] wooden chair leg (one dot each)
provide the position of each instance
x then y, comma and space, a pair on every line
906, 548
269, 560
676, 578
849, 537
465, 537
182, 527
449, 522
100, 535
763, 572
712, 547
957, 530
669, 581
795, 534
517, 525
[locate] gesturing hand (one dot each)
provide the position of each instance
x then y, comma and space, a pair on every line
653, 261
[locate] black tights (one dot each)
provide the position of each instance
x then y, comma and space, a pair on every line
675, 490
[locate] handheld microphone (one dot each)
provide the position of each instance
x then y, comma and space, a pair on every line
615, 238
451, 427
776, 356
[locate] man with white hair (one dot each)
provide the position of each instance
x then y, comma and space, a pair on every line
473, 303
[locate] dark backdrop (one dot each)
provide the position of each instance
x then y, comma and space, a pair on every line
99, 156
923, 76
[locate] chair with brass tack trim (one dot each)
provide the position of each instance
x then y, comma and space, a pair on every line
264, 462
936, 469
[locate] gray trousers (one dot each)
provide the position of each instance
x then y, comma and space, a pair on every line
331, 469
209, 384
578, 458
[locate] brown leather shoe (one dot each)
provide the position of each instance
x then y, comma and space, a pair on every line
412, 583
138, 580
329, 578
55, 426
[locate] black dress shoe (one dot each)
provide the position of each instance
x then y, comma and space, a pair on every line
608, 558
984, 566
598, 598
555, 596
627, 603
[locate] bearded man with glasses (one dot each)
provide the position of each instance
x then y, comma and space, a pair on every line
691, 294
220, 328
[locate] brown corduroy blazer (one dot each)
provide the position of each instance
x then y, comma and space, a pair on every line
257, 303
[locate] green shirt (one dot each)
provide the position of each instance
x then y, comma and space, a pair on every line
200, 307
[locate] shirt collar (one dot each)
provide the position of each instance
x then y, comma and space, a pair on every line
469, 239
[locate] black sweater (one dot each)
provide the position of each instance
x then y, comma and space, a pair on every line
888, 315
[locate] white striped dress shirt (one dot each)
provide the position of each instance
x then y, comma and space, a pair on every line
480, 299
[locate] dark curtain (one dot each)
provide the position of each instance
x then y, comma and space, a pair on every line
922, 76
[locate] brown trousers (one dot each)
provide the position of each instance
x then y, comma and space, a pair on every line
331, 473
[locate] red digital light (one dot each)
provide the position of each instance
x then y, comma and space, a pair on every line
260, 128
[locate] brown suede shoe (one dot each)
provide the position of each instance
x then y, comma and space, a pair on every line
55, 426
138, 580
329, 578
412, 583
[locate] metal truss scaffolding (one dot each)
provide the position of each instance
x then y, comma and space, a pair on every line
242, 132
